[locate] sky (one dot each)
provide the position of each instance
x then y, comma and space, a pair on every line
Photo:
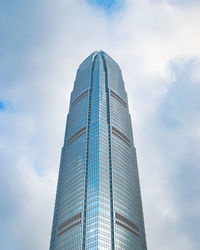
156, 44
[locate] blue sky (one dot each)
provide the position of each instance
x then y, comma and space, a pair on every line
2, 106
156, 44
109, 6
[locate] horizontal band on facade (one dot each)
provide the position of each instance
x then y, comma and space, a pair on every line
80, 97
126, 221
120, 135
74, 137
127, 228
69, 221
68, 228
118, 98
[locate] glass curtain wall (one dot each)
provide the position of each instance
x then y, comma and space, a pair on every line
98, 201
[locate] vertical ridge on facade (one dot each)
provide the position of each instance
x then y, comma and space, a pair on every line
86, 167
110, 159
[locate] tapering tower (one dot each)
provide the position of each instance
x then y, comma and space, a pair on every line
98, 201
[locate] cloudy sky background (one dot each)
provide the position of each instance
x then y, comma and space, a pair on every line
157, 45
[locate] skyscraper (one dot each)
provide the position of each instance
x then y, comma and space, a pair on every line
98, 201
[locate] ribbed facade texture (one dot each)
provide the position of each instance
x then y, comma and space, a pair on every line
98, 201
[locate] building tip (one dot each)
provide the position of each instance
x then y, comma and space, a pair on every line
98, 51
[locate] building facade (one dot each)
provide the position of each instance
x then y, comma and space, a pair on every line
98, 201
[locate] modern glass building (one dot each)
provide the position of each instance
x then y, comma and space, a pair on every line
98, 201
